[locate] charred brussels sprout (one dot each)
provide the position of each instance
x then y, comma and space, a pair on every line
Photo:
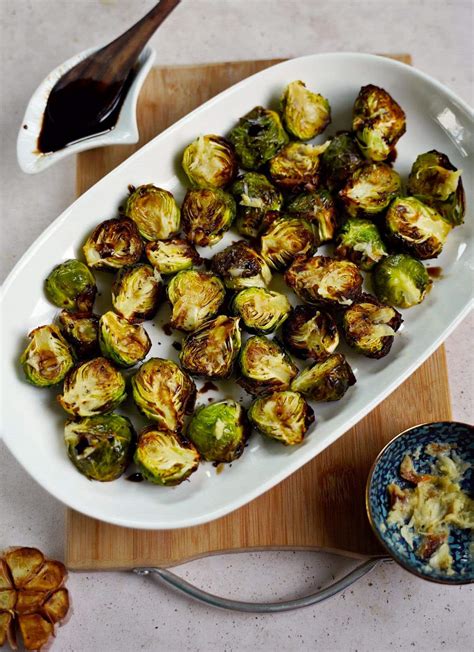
100, 447
370, 189
324, 280
305, 114
255, 197
341, 159
219, 431
369, 327
210, 162
264, 367
136, 292
258, 137
94, 387
71, 285
284, 239
241, 266
401, 281
327, 380
261, 310
319, 209
162, 458
416, 228
171, 256
211, 350
122, 342
47, 358
195, 297
113, 244
81, 330
359, 240
310, 333
154, 211
163, 392
378, 122
296, 167
284, 416
207, 214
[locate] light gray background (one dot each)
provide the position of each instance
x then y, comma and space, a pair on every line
115, 612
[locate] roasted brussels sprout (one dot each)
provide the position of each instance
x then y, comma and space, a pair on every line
258, 137
416, 228
261, 310
296, 167
319, 209
435, 180
370, 189
305, 114
94, 387
324, 280
284, 416
136, 292
327, 380
113, 244
211, 350
401, 280
240, 267
264, 366
286, 238
310, 333
341, 159
154, 211
124, 343
378, 122
163, 458
81, 330
171, 256
163, 392
71, 285
369, 326
359, 240
47, 358
207, 213
195, 297
100, 447
255, 197
219, 431
210, 162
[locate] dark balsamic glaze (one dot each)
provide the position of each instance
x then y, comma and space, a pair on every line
135, 477
207, 387
177, 345
167, 329
434, 272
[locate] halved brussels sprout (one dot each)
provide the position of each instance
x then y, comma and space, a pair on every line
310, 333
286, 238
164, 393
435, 180
100, 447
319, 209
324, 280
154, 211
81, 330
210, 162
284, 416
369, 326
47, 358
258, 137
124, 343
171, 256
416, 228
378, 122
255, 197
211, 350
327, 380
261, 310
240, 267
195, 297
207, 214
401, 280
136, 292
113, 244
219, 431
93, 387
71, 285
359, 240
163, 458
296, 167
305, 114
370, 189
341, 159
264, 366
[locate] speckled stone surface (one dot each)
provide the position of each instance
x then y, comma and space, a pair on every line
387, 610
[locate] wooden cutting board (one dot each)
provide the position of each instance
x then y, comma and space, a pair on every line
322, 505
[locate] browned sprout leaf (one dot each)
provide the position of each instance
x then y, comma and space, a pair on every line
7, 629
23, 564
35, 630
57, 605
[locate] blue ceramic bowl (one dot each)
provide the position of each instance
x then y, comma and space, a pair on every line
386, 470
